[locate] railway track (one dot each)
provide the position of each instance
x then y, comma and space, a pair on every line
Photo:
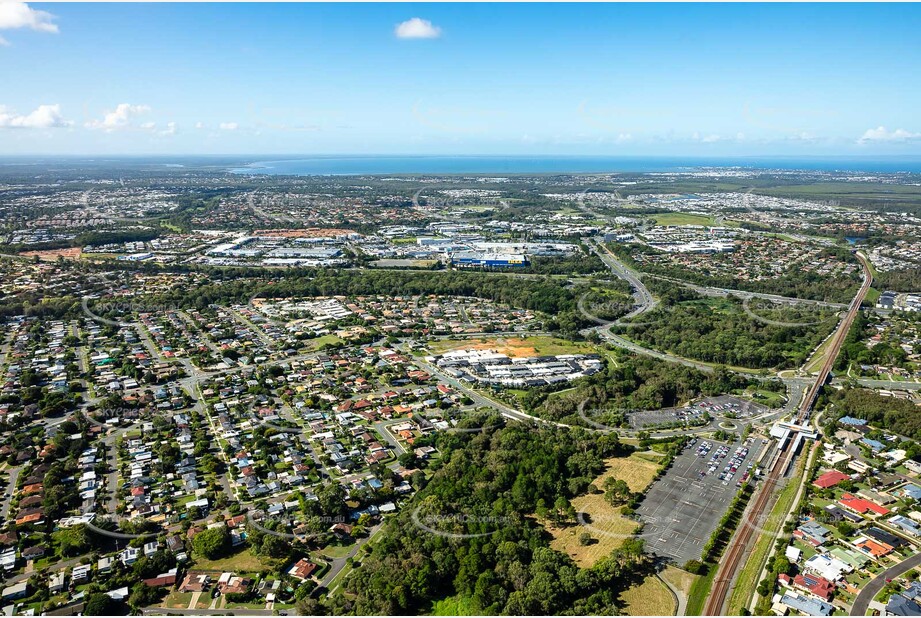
739, 544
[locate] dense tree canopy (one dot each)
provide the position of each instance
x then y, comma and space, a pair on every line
212, 543
898, 415
498, 556
634, 383
722, 331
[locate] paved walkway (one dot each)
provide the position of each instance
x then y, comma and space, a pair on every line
681, 601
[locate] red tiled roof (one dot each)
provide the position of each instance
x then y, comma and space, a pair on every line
876, 549
862, 506
818, 586
830, 479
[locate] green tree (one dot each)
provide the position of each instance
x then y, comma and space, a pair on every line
72, 541
101, 604
212, 543
616, 491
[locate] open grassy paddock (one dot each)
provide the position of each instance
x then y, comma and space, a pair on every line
605, 523
651, 598
682, 218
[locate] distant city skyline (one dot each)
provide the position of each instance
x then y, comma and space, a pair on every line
514, 79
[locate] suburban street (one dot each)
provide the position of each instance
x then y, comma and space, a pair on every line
869, 591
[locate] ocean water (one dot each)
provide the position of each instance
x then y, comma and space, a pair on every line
345, 165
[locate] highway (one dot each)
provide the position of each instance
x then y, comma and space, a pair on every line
713, 291
737, 552
641, 294
886, 384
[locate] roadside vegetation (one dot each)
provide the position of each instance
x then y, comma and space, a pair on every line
719, 330
634, 383
795, 284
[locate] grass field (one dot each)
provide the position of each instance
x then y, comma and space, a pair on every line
680, 579
637, 470
682, 218
337, 551
699, 592
765, 397
651, 598
458, 605
177, 600
319, 342
242, 561
609, 529
607, 526
514, 346
652, 456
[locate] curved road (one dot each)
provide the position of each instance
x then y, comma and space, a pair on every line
873, 587
713, 291
641, 294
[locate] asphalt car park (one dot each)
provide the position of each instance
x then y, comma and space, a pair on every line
692, 414
682, 509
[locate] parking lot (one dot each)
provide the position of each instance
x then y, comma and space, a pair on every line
714, 406
681, 510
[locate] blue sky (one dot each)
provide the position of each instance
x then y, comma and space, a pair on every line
615, 79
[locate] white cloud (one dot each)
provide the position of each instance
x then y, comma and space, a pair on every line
152, 127
623, 138
710, 139
417, 28
881, 134
199, 125
119, 118
229, 126
15, 14
43, 117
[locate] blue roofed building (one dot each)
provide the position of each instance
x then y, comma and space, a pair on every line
807, 605
911, 491
908, 525
913, 591
812, 532
853, 422
899, 605
875, 445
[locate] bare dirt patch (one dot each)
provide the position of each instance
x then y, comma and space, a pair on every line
52, 255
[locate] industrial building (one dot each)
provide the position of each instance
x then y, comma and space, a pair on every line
489, 260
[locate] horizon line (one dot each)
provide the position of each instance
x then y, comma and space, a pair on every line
293, 156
